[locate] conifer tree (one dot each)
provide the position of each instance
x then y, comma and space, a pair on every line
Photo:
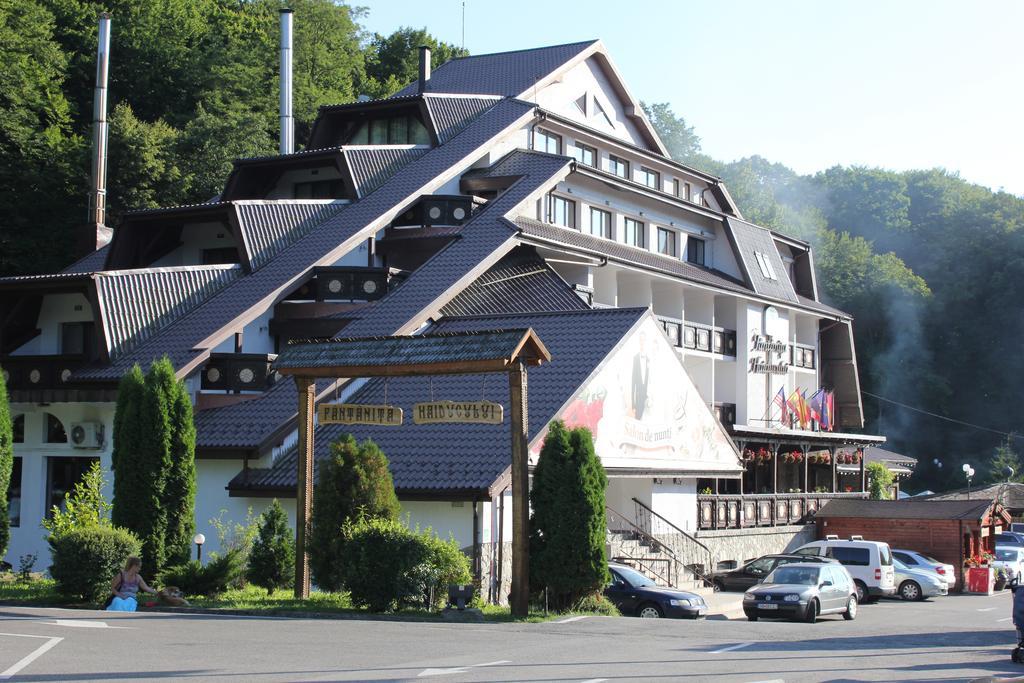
353, 481
272, 560
180, 489
154, 461
6, 464
129, 484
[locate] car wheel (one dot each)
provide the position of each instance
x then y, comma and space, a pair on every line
851, 609
649, 610
862, 592
811, 615
751, 617
909, 590
718, 586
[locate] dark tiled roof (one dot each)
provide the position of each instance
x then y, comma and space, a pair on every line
905, 509
270, 226
452, 114
519, 283
466, 456
91, 262
751, 240
372, 167
1011, 494
179, 340
876, 454
625, 253
501, 73
818, 306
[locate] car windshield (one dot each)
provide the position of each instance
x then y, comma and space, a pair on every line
803, 576
926, 558
884, 554
634, 578
1006, 554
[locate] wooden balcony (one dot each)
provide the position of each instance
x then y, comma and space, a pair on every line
746, 511
238, 372
697, 337
40, 372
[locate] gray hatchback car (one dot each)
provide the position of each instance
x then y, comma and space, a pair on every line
803, 591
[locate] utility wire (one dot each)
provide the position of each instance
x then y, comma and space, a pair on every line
936, 415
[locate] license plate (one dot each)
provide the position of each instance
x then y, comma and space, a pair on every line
768, 605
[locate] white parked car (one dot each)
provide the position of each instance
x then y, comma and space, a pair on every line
916, 560
1011, 560
869, 563
918, 584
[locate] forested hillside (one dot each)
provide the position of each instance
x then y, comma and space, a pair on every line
932, 269
927, 263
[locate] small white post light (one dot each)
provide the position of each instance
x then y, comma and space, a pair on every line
199, 540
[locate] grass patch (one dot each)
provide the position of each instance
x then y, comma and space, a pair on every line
36, 591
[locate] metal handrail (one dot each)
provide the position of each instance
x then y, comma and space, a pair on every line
647, 538
654, 515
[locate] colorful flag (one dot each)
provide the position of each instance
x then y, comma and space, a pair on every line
815, 404
794, 406
780, 401
829, 421
805, 411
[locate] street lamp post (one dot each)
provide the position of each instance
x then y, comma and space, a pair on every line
199, 540
969, 473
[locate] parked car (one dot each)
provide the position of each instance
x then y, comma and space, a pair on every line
1017, 527
916, 560
869, 563
803, 591
1010, 538
635, 594
918, 584
753, 572
1011, 560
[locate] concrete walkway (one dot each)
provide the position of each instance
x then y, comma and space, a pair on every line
724, 605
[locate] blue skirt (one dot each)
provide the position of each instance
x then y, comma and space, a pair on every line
123, 605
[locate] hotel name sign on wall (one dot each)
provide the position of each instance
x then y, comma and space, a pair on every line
359, 414
774, 362
477, 412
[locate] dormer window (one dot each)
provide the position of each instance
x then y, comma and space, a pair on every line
404, 129
546, 141
695, 250
765, 265
78, 339
320, 189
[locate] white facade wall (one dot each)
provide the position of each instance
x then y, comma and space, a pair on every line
195, 237
446, 518
676, 501
56, 309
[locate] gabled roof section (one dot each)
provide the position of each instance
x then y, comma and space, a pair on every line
254, 177
468, 458
449, 115
136, 304
267, 227
507, 74
372, 166
972, 510
757, 255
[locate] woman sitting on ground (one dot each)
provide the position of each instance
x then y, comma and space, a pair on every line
126, 585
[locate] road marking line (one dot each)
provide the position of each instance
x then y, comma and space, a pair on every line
82, 624
566, 621
773, 680
595, 680
1006, 619
30, 657
986, 609
729, 649
458, 669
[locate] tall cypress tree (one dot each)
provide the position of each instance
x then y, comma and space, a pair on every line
6, 464
548, 508
180, 489
129, 484
154, 461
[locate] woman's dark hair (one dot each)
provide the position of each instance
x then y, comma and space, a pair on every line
132, 562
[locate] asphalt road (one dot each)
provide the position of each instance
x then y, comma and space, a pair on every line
954, 638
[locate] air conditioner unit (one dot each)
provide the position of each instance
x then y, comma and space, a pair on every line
87, 435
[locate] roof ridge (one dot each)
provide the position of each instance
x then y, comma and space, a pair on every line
533, 314
528, 49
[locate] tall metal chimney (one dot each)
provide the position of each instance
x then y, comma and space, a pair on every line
424, 82
98, 193
287, 122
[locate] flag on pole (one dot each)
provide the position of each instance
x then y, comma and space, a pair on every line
829, 423
805, 412
794, 406
780, 401
815, 405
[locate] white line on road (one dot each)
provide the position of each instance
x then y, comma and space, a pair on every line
986, 609
730, 648
1002, 620
458, 669
75, 623
566, 621
595, 680
30, 657
773, 680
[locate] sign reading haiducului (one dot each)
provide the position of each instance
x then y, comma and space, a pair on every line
479, 412
359, 414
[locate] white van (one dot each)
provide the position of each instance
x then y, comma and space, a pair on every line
869, 563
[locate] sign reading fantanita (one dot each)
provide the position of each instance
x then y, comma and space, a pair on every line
359, 414
480, 412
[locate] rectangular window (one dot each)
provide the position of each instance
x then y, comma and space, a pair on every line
633, 232
219, 255
584, 154
546, 141
695, 251
600, 223
77, 339
667, 242
561, 211
319, 189
687, 191
14, 494
61, 476
617, 166
379, 132
398, 130
650, 178
675, 186
765, 265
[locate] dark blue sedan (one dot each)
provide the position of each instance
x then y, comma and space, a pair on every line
635, 594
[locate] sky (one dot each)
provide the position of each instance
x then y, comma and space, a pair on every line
901, 84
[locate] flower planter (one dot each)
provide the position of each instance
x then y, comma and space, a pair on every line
979, 580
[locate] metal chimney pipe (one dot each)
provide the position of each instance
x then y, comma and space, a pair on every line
287, 122
424, 81
98, 193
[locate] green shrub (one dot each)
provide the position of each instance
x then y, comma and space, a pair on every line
353, 481
386, 565
86, 560
195, 579
84, 506
272, 560
6, 464
880, 479
596, 603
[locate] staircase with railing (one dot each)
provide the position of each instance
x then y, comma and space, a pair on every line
629, 544
694, 559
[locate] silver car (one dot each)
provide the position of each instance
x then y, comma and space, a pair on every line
916, 560
918, 584
1011, 560
803, 591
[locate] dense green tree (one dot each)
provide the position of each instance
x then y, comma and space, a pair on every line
6, 464
880, 479
392, 61
153, 459
353, 481
130, 481
567, 524
272, 560
180, 488
680, 140
1003, 457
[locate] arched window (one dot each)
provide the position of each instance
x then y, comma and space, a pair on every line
18, 429
55, 430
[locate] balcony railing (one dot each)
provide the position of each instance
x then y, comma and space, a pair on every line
742, 512
238, 372
40, 372
697, 337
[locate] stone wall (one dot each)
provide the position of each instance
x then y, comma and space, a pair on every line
741, 545
495, 582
